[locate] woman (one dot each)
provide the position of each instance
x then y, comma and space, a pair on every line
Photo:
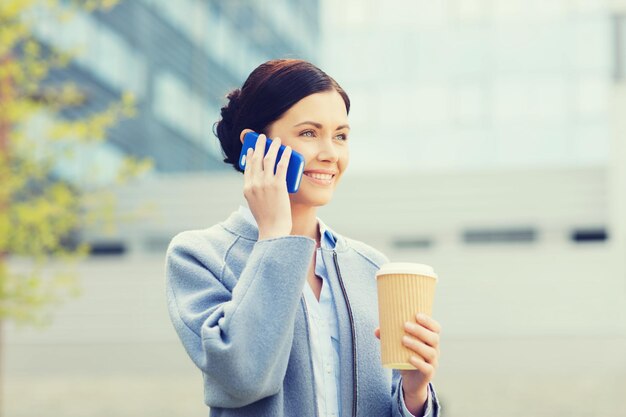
276, 309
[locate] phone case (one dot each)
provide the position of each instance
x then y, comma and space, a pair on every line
296, 161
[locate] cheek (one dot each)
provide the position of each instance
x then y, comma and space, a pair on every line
285, 139
302, 151
293, 143
344, 158
306, 151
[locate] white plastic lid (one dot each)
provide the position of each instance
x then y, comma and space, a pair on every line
406, 268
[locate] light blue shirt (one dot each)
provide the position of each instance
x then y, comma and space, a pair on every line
324, 334
324, 328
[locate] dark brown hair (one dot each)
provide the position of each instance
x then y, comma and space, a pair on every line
270, 90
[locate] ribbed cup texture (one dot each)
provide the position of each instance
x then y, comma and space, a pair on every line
400, 298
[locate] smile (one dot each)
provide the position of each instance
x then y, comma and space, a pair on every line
317, 178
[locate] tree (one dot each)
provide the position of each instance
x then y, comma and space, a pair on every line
39, 210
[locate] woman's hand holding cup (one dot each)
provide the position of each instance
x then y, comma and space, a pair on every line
409, 335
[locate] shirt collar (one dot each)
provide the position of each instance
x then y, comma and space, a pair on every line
329, 240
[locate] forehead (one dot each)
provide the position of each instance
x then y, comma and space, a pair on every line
327, 107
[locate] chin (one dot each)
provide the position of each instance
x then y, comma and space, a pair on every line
317, 200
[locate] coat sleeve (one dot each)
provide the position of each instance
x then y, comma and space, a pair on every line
433, 408
241, 340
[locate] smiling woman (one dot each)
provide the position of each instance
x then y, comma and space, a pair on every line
321, 141
276, 309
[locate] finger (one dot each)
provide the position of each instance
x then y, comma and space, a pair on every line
428, 353
269, 160
422, 333
425, 368
257, 156
247, 172
428, 322
283, 164
377, 332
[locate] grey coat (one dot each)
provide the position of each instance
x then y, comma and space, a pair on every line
236, 304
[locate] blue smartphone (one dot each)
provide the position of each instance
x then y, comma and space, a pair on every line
296, 161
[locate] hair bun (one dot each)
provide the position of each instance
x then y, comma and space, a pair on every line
224, 129
229, 111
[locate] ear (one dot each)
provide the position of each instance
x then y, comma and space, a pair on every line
243, 133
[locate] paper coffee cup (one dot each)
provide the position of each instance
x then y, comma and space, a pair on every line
404, 289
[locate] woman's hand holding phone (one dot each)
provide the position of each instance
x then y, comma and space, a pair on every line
265, 191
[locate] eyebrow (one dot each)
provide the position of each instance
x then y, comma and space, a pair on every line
319, 125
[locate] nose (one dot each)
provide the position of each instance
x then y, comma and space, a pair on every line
327, 151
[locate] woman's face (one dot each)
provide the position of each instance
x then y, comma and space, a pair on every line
316, 127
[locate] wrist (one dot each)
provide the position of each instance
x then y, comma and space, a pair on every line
267, 236
273, 233
415, 401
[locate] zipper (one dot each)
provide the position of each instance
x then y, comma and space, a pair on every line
308, 338
353, 331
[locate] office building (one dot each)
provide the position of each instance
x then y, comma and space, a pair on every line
179, 59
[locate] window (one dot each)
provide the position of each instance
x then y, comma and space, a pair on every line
176, 105
470, 10
619, 32
470, 103
97, 48
413, 243
491, 236
590, 235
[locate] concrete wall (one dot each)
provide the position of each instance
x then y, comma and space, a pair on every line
530, 328
570, 285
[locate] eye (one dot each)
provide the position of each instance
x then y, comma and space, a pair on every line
308, 133
342, 137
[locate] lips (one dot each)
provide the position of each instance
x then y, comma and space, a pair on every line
320, 176
317, 176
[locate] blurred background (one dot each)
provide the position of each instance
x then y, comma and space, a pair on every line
488, 140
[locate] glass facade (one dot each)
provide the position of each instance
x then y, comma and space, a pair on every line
179, 59
619, 39
474, 84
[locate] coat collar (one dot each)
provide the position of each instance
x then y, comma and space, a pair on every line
242, 223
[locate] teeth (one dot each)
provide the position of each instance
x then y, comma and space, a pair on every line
325, 177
